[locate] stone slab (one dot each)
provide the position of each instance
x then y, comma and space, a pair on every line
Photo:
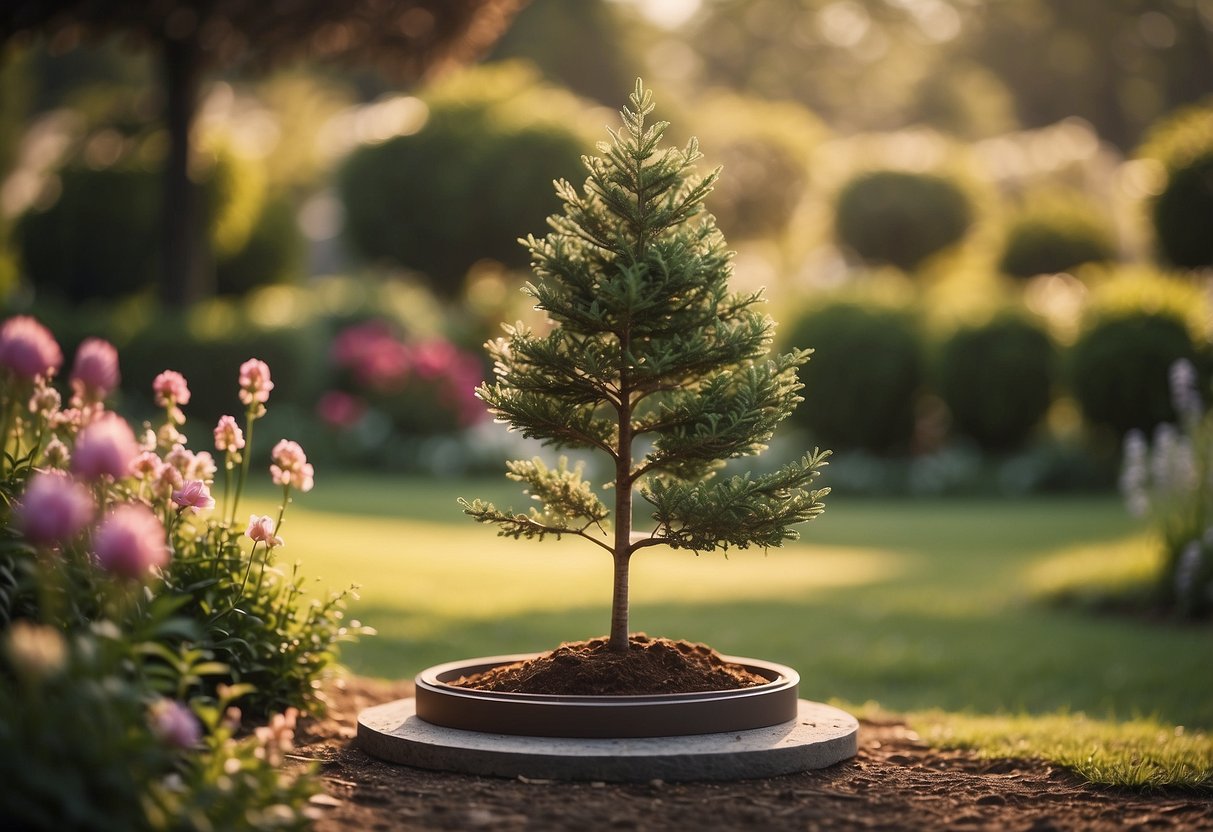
820, 736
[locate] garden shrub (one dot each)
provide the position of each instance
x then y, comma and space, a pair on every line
997, 379
1053, 234
131, 620
899, 217
763, 148
1183, 144
100, 239
209, 357
864, 377
272, 253
1181, 213
1136, 326
465, 186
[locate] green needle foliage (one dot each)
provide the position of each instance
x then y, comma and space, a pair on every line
650, 360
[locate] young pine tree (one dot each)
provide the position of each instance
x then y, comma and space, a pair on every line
652, 361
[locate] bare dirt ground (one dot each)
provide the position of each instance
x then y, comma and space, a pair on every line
895, 783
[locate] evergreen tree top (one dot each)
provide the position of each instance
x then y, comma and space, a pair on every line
651, 360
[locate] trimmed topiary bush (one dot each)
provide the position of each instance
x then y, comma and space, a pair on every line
101, 238
901, 218
1183, 213
1136, 327
997, 379
273, 252
865, 375
1183, 144
1055, 234
464, 187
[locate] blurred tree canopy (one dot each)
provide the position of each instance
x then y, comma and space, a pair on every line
880, 64
407, 38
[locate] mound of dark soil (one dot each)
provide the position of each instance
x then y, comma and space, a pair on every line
590, 668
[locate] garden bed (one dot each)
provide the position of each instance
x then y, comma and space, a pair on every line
895, 782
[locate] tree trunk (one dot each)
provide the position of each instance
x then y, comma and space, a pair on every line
185, 274
623, 518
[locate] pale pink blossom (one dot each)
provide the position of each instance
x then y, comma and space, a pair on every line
56, 454
27, 348
261, 529
180, 457
171, 388
290, 466
95, 369
255, 384
167, 480
146, 466
194, 494
105, 447
147, 442
130, 542
228, 436
54, 509
277, 737
168, 435
46, 400
175, 724
202, 467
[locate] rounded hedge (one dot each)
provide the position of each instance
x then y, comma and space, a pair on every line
901, 218
997, 380
1053, 236
862, 383
1183, 213
462, 189
100, 239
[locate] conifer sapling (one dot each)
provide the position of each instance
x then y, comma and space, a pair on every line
650, 360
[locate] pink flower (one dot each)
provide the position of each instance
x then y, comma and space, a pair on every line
130, 542
255, 384
28, 349
202, 467
53, 509
171, 389
261, 528
339, 409
228, 436
175, 724
373, 354
46, 400
95, 370
146, 466
56, 454
290, 466
107, 446
194, 494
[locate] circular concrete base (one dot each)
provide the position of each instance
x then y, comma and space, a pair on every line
820, 736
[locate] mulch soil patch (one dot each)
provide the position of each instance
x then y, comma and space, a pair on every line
591, 668
896, 782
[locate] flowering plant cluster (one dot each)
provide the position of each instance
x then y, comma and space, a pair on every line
419, 388
1169, 481
141, 620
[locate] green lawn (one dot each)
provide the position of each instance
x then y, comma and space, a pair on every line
914, 605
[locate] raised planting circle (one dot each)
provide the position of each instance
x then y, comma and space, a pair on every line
609, 717
818, 736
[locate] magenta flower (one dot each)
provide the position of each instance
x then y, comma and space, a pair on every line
193, 494
255, 384
228, 436
28, 349
175, 724
339, 409
261, 529
290, 466
95, 369
107, 446
54, 509
130, 542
